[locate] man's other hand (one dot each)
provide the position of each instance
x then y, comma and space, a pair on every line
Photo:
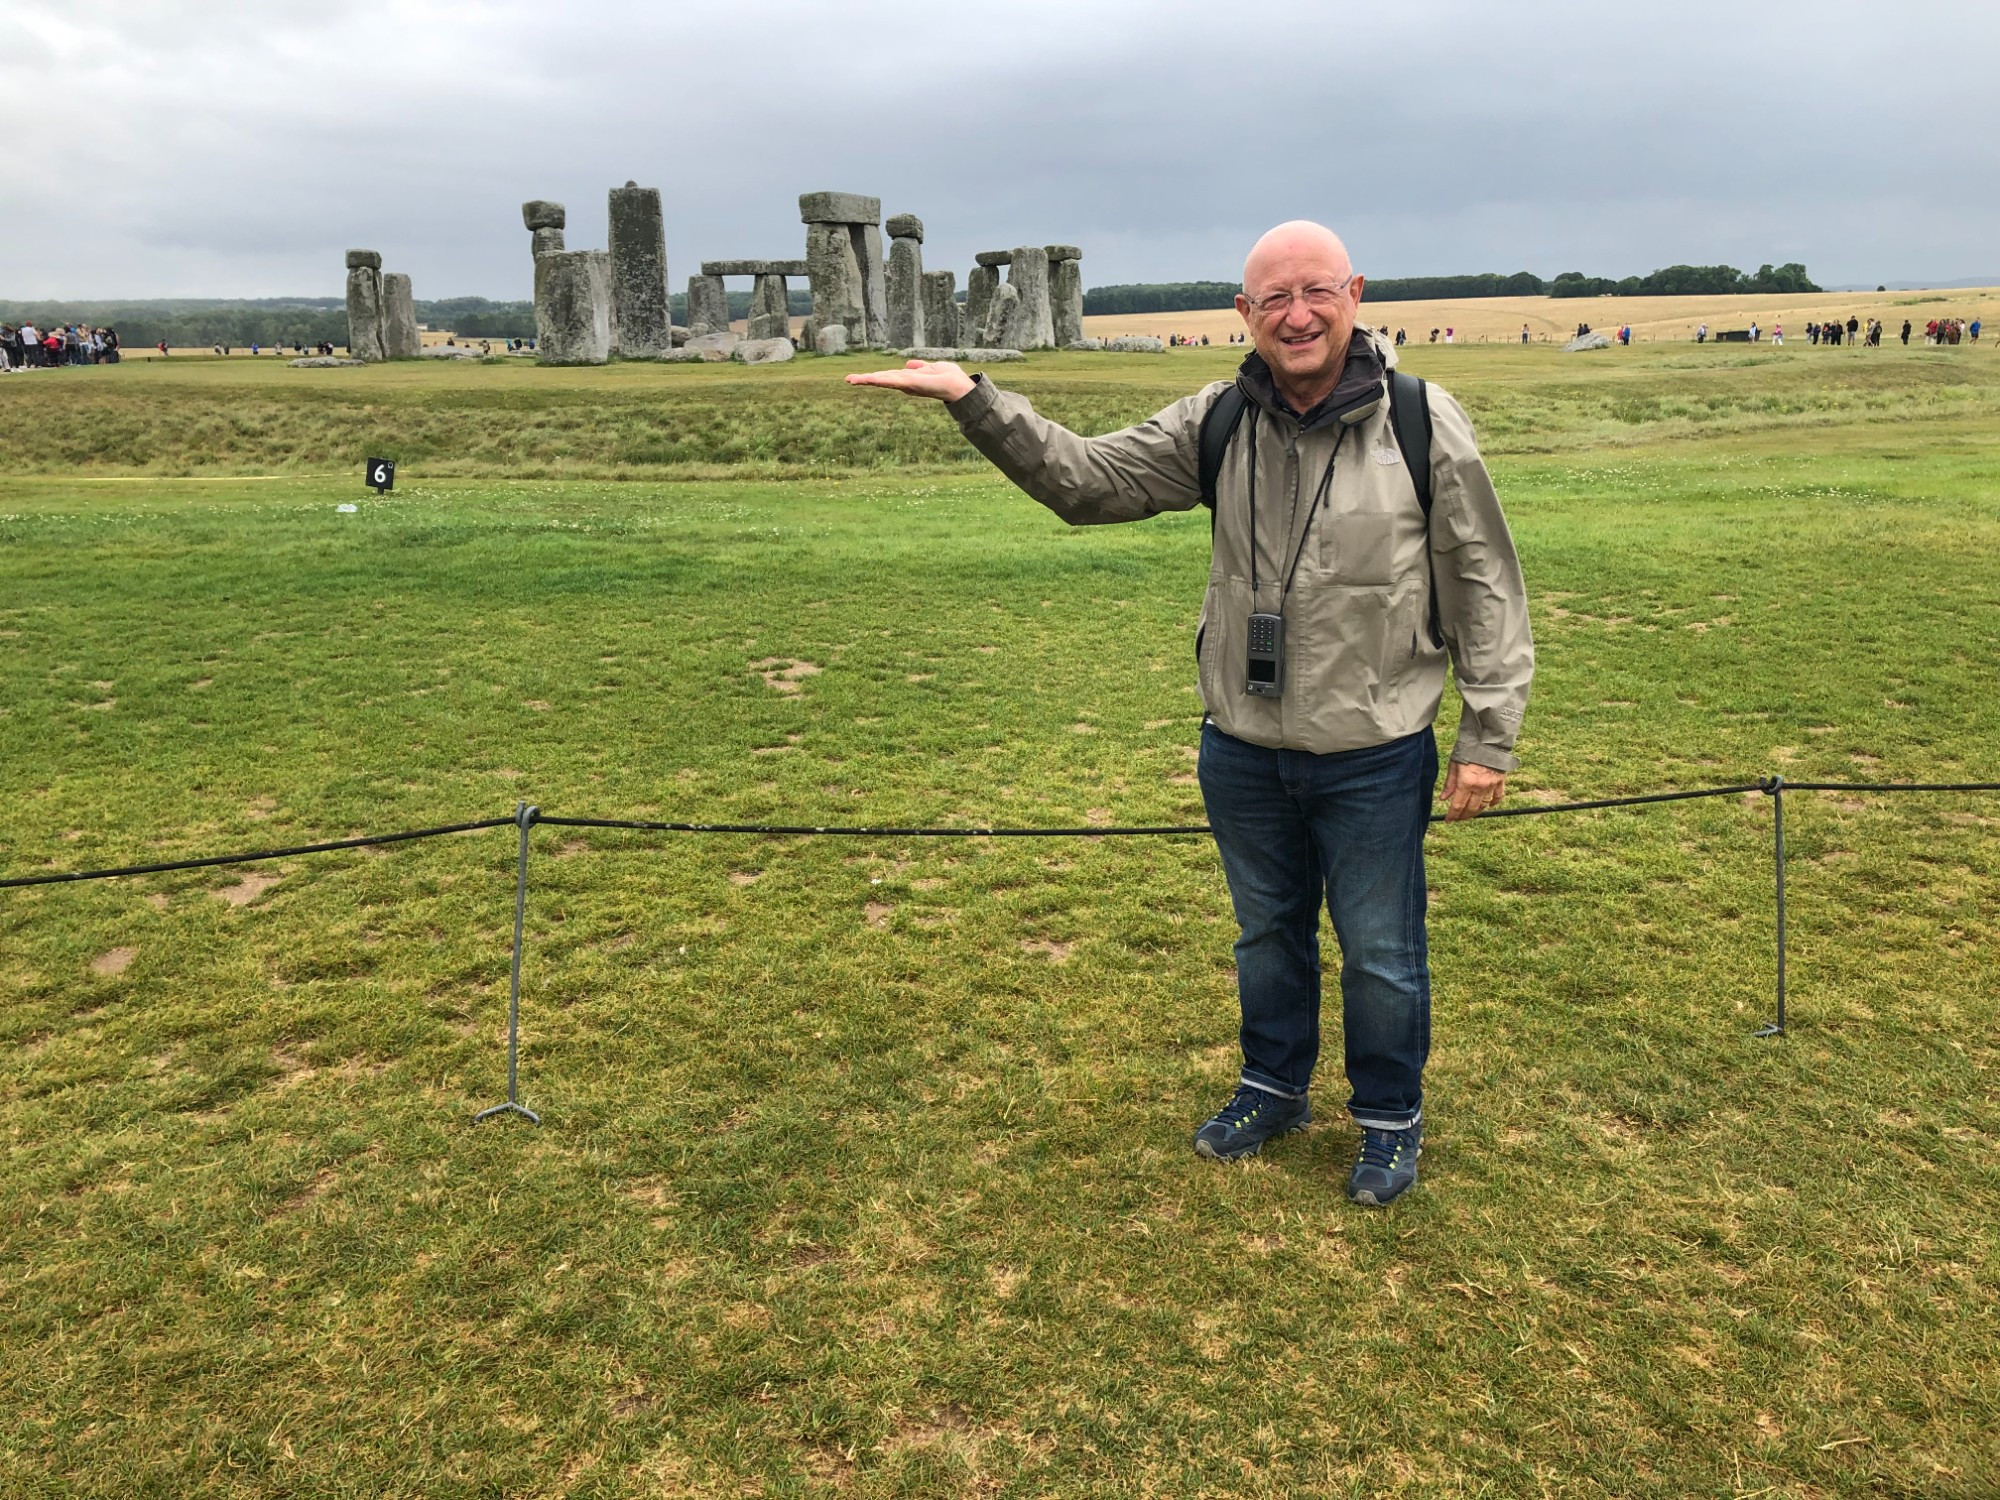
941, 380
1470, 790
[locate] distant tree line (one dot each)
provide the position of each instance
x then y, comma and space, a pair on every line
1672, 281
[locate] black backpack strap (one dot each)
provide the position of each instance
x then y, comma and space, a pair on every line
1410, 416
1218, 426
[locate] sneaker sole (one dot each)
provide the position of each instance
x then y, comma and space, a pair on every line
1207, 1148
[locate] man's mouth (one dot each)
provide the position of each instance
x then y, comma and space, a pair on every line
1299, 340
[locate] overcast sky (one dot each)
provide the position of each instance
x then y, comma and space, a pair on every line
216, 148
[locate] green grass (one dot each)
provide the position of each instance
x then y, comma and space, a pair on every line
865, 1169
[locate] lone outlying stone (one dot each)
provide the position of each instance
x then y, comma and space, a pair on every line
1591, 340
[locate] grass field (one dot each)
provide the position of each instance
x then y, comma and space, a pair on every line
865, 1165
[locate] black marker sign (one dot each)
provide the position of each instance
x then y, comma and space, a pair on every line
381, 473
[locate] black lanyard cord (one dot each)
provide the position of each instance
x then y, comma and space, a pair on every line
1319, 499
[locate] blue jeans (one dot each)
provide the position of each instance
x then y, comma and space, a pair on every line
1292, 827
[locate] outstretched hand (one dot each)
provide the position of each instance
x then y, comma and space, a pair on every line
941, 380
1470, 790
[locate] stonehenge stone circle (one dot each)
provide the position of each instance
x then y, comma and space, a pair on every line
364, 305
1028, 274
904, 280
1066, 293
940, 297
400, 338
979, 289
573, 307
844, 263
639, 271
708, 306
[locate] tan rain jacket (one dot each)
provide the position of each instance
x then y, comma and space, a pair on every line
1360, 668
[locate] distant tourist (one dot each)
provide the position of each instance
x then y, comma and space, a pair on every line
1906, 330
1524, 333
1701, 334
1402, 338
1972, 328
1625, 334
1447, 335
1853, 327
1777, 333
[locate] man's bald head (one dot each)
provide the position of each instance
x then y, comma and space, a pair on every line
1299, 242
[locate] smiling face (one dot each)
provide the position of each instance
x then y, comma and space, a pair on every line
1305, 346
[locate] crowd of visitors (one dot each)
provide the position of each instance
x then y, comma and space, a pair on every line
29, 347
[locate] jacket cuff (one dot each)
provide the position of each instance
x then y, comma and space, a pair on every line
1488, 756
975, 403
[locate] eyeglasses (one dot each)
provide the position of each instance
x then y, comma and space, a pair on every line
1318, 298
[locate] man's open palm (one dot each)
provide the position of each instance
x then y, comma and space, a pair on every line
941, 380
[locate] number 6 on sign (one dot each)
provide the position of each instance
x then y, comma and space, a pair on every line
381, 473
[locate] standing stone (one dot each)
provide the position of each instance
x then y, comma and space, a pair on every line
770, 308
834, 270
573, 307
1005, 319
905, 280
639, 272
844, 263
874, 288
400, 337
940, 296
1066, 294
708, 306
364, 305
545, 222
979, 289
1029, 276
547, 241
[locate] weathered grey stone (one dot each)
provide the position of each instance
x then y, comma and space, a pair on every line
832, 339
681, 357
753, 268
904, 227
573, 308
839, 208
940, 298
639, 271
400, 338
708, 306
763, 351
905, 290
994, 257
834, 266
1135, 343
963, 356
979, 289
714, 347
1066, 299
325, 362
1029, 276
680, 335
452, 351
539, 213
1062, 252
364, 260
1591, 340
809, 332
1084, 346
874, 287
1004, 319
770, 309
547, 242
364, 312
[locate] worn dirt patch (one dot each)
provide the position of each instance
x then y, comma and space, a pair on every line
117, 961
745, 877
784, 672
877, 914
1057, 952
248, 889
158, 900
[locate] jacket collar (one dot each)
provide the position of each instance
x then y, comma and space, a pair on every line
1363, 384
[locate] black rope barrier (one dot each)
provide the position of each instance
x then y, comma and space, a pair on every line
526, 816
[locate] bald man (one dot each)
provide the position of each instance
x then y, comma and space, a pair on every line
1333, 606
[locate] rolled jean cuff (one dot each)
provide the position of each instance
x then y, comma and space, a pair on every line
1265, 1085
1371, 1120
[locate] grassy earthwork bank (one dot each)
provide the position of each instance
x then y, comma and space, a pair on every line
864, 1169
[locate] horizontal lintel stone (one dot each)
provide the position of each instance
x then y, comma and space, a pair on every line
1063, 252
994, 258
839, 208
753, 268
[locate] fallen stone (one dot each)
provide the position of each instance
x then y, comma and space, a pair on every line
1591, 340
451, 351
994, 257
364, 260
904, 227
1136, 343
763, 351
539, 213
325, 362
714, 346
708, 305
961, 356
573, 308
400, 338
1084, 346
681, 357
832, 339
753, 268
839, 208
638, 271
1063, 252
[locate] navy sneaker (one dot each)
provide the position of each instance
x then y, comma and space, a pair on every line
1387, 1166
1251, 1118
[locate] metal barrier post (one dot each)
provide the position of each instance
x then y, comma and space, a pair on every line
1777, 790
524, 818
